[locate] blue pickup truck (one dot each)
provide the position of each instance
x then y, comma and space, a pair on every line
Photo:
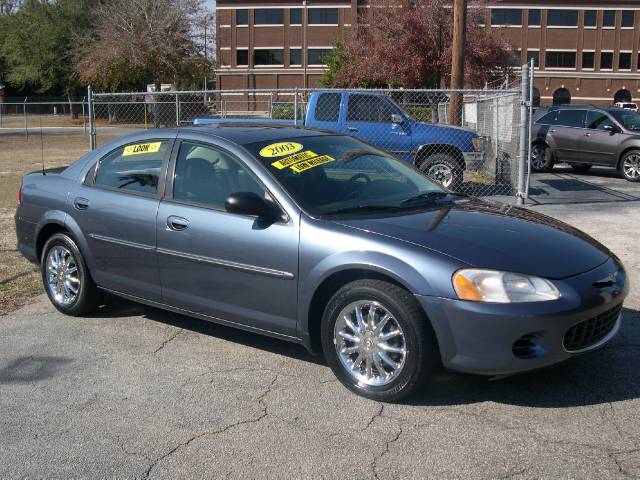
442, 152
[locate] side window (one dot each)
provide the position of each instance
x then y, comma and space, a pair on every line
598, 120
328, 107
548, 119
369, 108
134, 167
207, 176
571, 118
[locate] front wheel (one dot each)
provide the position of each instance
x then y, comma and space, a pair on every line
443, 169
541, 158
66, 278
377, 340
630, 166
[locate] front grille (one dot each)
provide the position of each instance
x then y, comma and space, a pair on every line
590, 332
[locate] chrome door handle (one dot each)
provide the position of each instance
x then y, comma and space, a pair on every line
587, 134
81, 203
553, 130
177, 224
352, 129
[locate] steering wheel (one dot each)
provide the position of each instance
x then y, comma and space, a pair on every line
348, 188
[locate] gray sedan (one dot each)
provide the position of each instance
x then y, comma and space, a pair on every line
323, 240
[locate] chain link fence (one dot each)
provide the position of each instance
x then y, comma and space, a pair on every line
474, 149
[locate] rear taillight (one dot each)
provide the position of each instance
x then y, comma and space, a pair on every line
20, 194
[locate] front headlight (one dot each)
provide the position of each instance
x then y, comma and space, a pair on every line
502, 287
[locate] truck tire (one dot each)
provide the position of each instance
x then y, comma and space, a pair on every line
443, 169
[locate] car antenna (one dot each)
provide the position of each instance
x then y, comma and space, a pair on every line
41, 145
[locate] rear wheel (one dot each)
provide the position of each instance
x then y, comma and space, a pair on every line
66, 278
581, 167
630, 166
377, 340
443, 169
541, 158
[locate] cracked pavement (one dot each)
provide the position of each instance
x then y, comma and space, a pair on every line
135, 392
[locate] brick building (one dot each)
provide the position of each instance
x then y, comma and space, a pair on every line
585, 51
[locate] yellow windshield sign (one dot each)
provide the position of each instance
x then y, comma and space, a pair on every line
280, 149
312, 162
288, 161
141, 148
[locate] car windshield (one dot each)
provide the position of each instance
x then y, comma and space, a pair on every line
628, 118
330, 175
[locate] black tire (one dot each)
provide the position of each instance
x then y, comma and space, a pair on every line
422, 357
88, 297
541, 158
629, 166
581, 167
443, 161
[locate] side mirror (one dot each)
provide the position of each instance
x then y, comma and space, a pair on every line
249, 203
611, 128
397, 119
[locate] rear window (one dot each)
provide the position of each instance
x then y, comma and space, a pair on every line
134, 167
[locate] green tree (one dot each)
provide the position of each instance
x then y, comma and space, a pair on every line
334, 63
37, 42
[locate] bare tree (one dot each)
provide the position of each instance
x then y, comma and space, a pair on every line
135, 42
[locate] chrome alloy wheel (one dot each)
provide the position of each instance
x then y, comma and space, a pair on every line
62, 275
370, 343
537, 157
441, 173
631, 166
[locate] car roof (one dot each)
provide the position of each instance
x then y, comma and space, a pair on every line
552, 108
243, 134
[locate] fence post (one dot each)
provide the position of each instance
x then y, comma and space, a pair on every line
84, 119
1, 109
530, 125
24, 112
524, 123
295, 107
177, 110
92, 120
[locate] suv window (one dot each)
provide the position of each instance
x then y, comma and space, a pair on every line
598, 120
207, 176
571, 118
369, 108
328, 107
548, 119
134, 167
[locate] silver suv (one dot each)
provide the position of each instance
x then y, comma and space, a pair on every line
583, 136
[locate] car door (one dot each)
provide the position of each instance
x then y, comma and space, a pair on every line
116, 207
600, 143
369, 117
232, 267
567, 134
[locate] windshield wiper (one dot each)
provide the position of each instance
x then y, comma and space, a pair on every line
362, 209
425, 197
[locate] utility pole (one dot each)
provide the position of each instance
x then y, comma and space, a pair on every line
457, 60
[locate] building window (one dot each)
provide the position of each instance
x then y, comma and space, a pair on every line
270, 56
268, 16
363, 13
588, 60
606, 60
242, 17
628, 18
534, 17
516, 56
638, 65
295, 16
316, 56
535, 56
242, 58
624, 61
506, 16
295, 56
609, 18
322, 16
562, 18
590, 18
560, 59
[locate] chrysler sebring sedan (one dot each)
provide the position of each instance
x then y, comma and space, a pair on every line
323, 240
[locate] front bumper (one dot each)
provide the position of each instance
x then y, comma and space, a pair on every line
477, 337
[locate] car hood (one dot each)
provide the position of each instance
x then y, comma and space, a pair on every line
495, 236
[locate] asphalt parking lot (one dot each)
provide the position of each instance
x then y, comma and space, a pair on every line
135, 392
